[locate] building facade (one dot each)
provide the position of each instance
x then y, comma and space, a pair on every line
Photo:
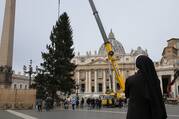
94, 75
170, 62
20, 81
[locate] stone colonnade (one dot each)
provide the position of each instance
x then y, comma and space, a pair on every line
92, 81
89, 80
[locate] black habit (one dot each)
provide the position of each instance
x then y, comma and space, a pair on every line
144, 93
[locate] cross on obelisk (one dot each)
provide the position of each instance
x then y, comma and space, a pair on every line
6, 45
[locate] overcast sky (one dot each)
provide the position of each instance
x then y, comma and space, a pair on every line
145, 23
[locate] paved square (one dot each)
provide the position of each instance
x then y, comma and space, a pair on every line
105, 113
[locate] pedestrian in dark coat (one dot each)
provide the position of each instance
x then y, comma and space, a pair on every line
144, 93
82, 103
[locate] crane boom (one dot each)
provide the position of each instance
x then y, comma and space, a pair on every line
101, 28
108, 47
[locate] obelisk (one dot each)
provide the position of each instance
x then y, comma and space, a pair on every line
6, 45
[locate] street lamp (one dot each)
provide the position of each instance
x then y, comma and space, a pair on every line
30, 71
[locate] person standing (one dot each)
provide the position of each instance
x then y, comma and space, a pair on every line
77, 102
39, 105
88, 101
82, 103
73, 102
100, 103
144, 92
65, 103
47, 103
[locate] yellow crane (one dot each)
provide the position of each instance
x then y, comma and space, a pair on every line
109, 49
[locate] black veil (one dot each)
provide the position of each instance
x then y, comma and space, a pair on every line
152, 87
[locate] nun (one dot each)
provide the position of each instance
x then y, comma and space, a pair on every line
144, 93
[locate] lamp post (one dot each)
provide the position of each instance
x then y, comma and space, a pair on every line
30, 71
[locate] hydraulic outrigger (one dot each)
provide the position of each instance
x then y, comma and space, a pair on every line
109, 50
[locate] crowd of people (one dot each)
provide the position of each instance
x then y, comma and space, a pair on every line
76, 103
46, 104
93, 103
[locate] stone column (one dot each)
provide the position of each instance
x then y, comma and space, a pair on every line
173, 90
109, 82
176, 88
114, 81
78, 80
78, 77
86, 82
89, 81
161, 86
104, 81
177, 84
95, 81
